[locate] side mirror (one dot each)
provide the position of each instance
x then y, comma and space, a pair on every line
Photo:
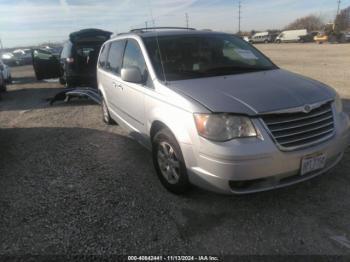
132, 74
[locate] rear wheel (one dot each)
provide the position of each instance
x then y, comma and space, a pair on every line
169, 163
3, 87
9, 80
70, 83
62, 80
105, 113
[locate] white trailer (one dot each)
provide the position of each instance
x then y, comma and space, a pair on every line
291, 36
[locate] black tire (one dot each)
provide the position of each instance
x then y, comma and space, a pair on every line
9, 80
70, 83
179, 183
3, 87
106, 117
62, 80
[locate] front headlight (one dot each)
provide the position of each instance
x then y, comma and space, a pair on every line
224, 127
338, 104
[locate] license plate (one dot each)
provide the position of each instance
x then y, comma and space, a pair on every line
313, 163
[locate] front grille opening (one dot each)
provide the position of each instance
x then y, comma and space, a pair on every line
247, 184
296, 130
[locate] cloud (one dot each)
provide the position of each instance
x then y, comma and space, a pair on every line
35, 21
64, 5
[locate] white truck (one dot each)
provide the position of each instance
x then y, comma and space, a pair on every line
290, 36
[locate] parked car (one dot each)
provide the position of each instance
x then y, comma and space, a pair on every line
23, 56
246, 38
6, 72
309, 37
321, 38
217, 113
290, 36
345, 37
263, 37
76, 65
9, 59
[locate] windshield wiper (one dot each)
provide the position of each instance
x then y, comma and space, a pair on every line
225, 69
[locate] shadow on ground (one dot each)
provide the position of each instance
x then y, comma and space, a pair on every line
25, 80
84, 191
36, 98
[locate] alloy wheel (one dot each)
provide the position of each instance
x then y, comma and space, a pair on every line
168, 163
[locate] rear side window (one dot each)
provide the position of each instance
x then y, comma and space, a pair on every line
133, 57
115, 56
103, 56
67, 50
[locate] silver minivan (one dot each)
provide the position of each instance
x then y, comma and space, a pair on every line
217, 113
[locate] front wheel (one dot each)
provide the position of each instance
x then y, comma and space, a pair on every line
169, 163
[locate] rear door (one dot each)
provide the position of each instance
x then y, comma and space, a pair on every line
87, 44
46, 65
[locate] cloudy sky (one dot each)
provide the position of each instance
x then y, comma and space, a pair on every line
24, 22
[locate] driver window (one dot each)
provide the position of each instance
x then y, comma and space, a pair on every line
133, 57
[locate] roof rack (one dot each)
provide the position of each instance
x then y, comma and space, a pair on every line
161, 28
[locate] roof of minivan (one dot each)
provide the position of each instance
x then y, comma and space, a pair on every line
153, 33
90, 33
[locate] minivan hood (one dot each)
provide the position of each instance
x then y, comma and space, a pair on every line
254, 93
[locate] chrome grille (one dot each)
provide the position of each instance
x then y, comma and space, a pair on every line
295, 130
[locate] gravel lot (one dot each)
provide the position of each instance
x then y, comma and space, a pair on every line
70, 184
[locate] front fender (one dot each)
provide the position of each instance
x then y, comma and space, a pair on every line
179, 121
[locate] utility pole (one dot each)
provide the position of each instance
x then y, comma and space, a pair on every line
338, 11
146, 24
234, 14
187, 20
239, 16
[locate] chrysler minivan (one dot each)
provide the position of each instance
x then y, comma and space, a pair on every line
217, 113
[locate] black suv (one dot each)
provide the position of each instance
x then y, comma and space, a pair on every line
76, 64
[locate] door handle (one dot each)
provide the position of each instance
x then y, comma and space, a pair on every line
117, 85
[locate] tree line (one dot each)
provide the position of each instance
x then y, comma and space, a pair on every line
316, 23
